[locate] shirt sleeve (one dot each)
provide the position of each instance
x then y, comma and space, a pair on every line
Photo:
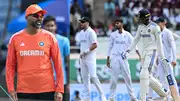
135, 40
172, 44
130, 40
110, 44
176, 37
66, 47
56, 57
93, 37
11, 64
157, 32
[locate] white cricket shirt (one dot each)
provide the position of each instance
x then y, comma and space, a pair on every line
169, 45
119, 42
149, 38
87, 38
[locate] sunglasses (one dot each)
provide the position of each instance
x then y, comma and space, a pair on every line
37, 15
83, 21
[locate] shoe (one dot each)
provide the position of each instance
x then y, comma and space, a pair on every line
134, 99
150, 99
103, 98
86, 99
111, 99
170, 99
160, 99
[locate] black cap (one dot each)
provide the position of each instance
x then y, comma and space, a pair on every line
144, 13
160, 19
84, 19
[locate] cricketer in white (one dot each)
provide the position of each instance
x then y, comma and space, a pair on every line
88, 45
119, 41
148, 34
169, 47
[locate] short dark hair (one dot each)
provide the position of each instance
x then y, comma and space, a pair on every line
118, 20
48, 18
160, 19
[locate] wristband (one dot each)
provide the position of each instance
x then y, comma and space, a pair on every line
87, 51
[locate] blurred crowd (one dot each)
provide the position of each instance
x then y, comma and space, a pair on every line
127, 10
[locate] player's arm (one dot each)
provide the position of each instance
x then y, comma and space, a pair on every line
56, 57
135, 40
176, 37
172, 44
137, 52
93, 40
130, 40
67, 53
11, 63
93, 46
110, 45
157, 32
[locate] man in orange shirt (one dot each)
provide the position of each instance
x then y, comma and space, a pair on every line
29, 53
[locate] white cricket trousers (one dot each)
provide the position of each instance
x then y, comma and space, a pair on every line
147, 60
120, 66
88, 71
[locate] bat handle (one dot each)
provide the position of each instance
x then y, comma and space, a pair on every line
6, 93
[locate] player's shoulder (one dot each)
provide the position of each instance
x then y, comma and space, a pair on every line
90, 30
114, 33
60, 37
140, 26
46, 32
167, 31
154, 25
49, 34
126, 32
16, 35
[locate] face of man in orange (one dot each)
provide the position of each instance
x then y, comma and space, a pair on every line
35, 20
34, 15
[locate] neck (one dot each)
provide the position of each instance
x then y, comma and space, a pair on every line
32, 30
162, 28
120, 30
85, 28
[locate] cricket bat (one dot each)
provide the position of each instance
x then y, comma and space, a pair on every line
172, 87
6, 93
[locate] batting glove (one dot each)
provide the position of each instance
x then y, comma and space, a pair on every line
85, 52
124, 55
165, 61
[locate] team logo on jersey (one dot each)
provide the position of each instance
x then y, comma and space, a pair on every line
32, 53
41, 43
22, 44
149, 30
119, 42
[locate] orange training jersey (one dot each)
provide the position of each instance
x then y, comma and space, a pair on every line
31, 55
